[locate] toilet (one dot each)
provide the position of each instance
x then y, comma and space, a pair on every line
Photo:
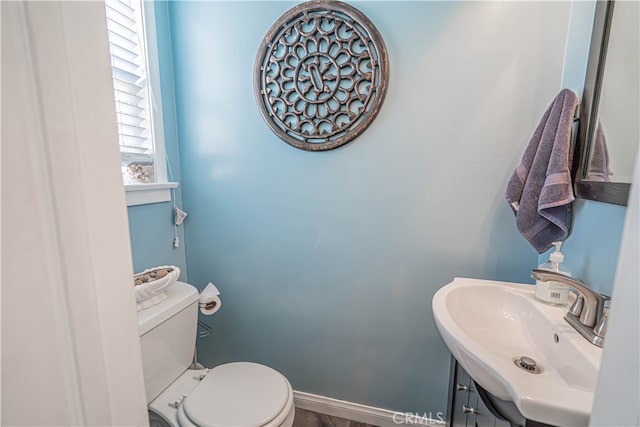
239, 394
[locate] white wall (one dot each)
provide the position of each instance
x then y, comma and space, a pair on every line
70, 348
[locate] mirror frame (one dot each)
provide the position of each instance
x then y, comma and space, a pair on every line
608, 192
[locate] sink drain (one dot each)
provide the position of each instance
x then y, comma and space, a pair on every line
527, 364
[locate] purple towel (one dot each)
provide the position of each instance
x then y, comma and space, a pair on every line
599, 169
540, 190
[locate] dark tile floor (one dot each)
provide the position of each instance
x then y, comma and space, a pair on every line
314, 419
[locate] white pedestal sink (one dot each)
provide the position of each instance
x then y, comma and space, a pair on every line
487, 325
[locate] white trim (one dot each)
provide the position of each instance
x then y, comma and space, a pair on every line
142, 194
361, 413
73, 330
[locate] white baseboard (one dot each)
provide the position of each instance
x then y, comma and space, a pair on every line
362, 413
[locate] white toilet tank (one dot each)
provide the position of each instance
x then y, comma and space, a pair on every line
167, 337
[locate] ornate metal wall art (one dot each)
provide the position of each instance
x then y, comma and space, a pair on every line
321, 75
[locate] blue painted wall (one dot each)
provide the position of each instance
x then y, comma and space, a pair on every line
327, 262
591, 250
151, 226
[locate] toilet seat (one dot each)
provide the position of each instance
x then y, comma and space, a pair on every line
237, 394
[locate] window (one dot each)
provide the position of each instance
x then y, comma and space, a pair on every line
134, 66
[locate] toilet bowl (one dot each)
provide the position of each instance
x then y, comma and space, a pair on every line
238, 394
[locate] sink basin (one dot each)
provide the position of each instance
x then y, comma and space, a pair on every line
488, 325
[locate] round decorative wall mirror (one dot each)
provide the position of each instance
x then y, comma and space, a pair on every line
321, 75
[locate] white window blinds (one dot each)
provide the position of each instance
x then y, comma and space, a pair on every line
130, 82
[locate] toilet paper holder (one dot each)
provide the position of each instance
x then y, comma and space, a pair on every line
209, 302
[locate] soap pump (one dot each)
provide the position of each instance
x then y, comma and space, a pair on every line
553, 292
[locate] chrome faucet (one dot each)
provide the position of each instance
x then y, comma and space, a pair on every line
587, 314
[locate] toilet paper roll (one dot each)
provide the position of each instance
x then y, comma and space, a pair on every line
209, 300
211, 307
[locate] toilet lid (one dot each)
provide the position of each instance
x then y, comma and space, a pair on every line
238, 394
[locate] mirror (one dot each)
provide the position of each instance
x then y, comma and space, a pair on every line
609, 132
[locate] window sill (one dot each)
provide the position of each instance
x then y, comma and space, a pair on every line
143, 194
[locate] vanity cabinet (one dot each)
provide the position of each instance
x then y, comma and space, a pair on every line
467, 408
461, 383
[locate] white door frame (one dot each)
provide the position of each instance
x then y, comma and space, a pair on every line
70, 347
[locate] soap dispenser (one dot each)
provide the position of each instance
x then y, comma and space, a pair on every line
551, 292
